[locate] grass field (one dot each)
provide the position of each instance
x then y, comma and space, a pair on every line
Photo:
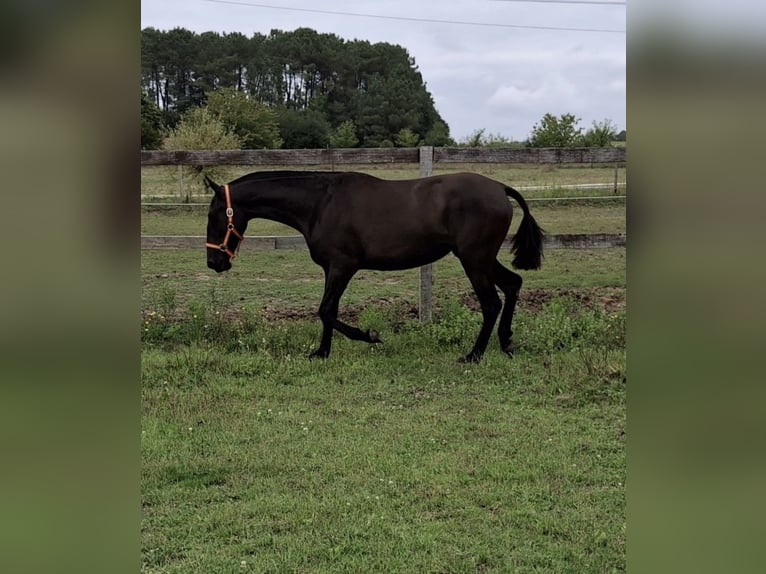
385, 459
287, 279
388, 458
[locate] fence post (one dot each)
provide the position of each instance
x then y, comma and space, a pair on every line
181, 182
426, 272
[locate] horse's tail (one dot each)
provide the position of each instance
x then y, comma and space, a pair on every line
527, 244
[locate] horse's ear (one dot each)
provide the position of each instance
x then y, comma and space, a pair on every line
214, 187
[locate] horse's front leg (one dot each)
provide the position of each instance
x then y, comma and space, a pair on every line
336, 281
356, 334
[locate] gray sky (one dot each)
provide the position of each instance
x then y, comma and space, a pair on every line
495, 76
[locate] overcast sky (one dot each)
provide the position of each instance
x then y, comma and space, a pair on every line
503, 75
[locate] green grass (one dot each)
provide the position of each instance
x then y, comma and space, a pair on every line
387, 458
288, 279
391, 458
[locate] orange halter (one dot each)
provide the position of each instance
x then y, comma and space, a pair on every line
229, 229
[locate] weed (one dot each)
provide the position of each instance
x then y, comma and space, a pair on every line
167, 300
563, 326
454, 324
374, 319
602, 365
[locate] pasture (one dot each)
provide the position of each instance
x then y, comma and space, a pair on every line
387, 458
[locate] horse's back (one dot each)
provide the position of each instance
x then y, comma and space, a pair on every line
436, 205
389, 224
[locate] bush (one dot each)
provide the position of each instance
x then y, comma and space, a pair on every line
152, 125
563, 131
455, 324
256, 125
438, 135
304, 129
344, 136
200, 129
479, 138
602, 134
554, 131
406, 138
562, 325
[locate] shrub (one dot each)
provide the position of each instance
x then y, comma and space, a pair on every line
602, 134
554, 131
562, 325
200, 129
455, 324
344, 136
255, 124
406, 138
304, 129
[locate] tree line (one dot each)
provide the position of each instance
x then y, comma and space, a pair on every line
312, 85
303, 89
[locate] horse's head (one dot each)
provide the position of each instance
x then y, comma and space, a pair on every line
225, 228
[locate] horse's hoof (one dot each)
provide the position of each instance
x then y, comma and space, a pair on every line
319, 354
509, 349
372, 336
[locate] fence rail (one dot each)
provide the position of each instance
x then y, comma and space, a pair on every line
268, 242
576, 198
426, 157
304, 157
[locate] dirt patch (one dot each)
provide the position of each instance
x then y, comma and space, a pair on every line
609, 299
389, 306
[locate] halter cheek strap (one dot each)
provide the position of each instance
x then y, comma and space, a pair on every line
230, 229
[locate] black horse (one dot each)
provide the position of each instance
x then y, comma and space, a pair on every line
354, 221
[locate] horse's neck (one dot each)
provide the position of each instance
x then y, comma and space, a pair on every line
288, 202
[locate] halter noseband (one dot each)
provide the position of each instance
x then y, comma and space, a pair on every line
230, 229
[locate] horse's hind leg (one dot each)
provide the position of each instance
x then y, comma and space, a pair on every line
510, 284
484, 286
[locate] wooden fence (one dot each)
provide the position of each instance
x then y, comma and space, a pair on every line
439, 155
426, 157
269, 242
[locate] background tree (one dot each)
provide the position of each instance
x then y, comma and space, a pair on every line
304, 129
480, 138
255, 124
407, 138
602, 134
554, 131
200, 129
438, 135
497, 140
344, 136
475, 139
376, 86
152, 127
